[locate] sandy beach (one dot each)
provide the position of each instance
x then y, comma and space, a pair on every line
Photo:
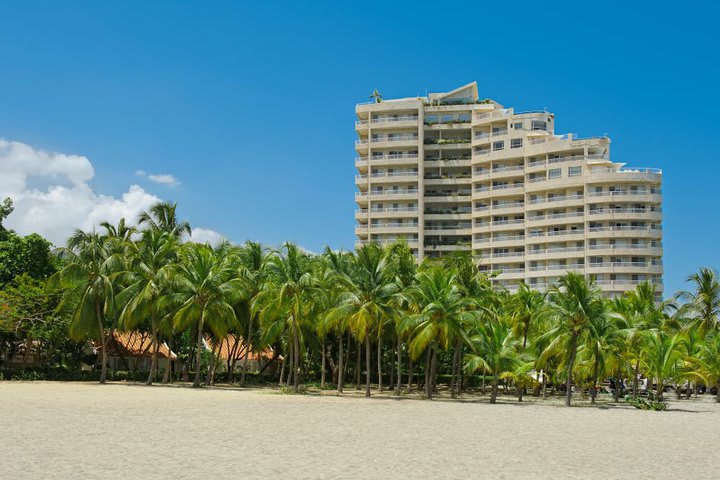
76, 430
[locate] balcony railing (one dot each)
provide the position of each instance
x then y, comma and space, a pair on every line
391, 210
406, 118
394, 225
498, 206
394, 138
508, 168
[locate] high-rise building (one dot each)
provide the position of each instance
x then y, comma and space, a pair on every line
450, 172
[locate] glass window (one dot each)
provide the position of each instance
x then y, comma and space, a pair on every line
539, 125
554, 173
498, 145
518, 125
516, 143
574, 171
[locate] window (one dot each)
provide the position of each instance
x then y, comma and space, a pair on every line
554, 173
539, 125
498, 145
518, 125
574, 171
516, 143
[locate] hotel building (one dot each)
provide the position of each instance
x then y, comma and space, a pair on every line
450, 172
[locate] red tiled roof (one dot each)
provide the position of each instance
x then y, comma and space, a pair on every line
134, 344
233, 347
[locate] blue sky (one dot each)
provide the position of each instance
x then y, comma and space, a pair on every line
251, 106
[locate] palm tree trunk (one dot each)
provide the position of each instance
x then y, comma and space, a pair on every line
156, 347
571, 365
717, 396
358, 359
323, 366
454, 381
379, 364
367, 364
103, 341
411, 373
433, 371
341, 366
290, 365
196, 382
248, 342
596, 365
428, 355
635, 379
399, 366
296, 354
391, 364
282, 372
660, 388
494, 390
618, 386
168, 369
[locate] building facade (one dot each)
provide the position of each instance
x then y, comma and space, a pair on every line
450, 172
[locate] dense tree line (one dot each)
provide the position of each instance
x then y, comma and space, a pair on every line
372, 317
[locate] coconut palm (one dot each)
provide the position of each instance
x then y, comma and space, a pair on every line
661, 357
494, 349
367, 298
88, 283
151, 260
572, 304
204, 288
704, 301
338, 268
252, 257
710, 358
444, 317
527, 305
288, 296
602, 340
163, 216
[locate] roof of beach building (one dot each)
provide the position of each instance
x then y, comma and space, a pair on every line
134, 344
233, 347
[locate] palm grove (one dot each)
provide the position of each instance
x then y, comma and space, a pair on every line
372, 319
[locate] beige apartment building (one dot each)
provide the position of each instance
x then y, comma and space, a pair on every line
450, 172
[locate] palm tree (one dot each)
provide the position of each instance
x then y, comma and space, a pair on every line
338, 268
289, 295
88, 283
710, 358
601, 341
367, 298
376, 97
572, 304
151, 260
252, 258
443, 319
527, 307
163, 216
704, 301
638, 312
204, 288
494, 349
661, 357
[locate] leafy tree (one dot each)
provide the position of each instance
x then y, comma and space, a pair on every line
88, 287
203, 288
573, 303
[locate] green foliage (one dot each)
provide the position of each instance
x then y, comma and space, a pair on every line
649, 404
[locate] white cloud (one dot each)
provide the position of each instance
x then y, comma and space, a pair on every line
205, 235
164, 179
161, 178
52, 195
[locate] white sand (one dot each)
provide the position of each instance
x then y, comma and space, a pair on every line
74, 430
